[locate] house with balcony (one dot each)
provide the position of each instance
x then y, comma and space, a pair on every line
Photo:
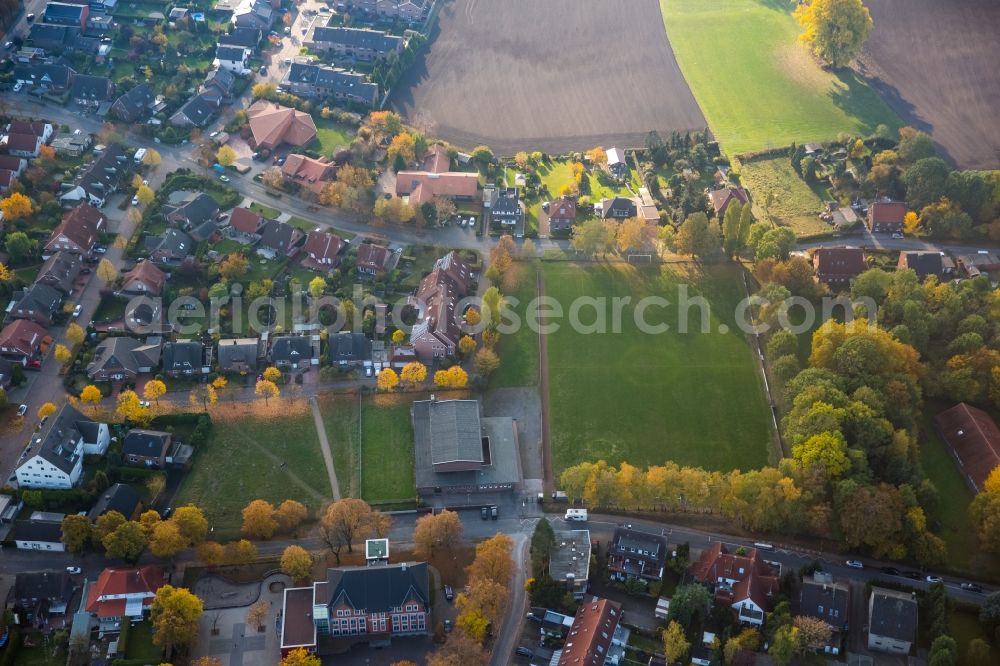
56, 460
636, 554
741, 580
121, 595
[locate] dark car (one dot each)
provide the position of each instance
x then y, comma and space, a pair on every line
29, 18
913, 575
447, 626
484, 513
972, 587
494, 511
892, 571
449, 593
524, 652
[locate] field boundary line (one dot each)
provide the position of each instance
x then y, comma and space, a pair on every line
543, 388
324, 446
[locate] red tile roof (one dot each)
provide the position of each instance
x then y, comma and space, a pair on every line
272, 125
423, 186
722, 198
590, 636
81, 225
309, 172
321, 245
143, 581
23, 335
373, 256
436, 159
887, 213
752, 576
148, 274
245, 220
22, 142
562, 209
840, 263
974, 439
24, 127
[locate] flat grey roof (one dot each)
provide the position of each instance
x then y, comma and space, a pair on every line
504, 468
571, 555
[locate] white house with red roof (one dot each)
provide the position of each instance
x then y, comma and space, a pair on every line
742, 580
123, 594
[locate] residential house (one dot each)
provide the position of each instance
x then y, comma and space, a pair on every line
232, 58
92, 90
507, 211
720, 199
60, 271
13, 164
241, 355
436, 159
886, 217
437, 331
422, 186
55, 76
322, 251
974, 441
58, 449
924, 264
100, 24
196, 112
257, 14
324, 82
135, 105
120, 497
410, 11
742, 581
123, 595
458, 452
618, 208
353, 43
246, 37
371, 604
279, 239
562, 214
39, 129
51, 37
617, 166
272, 125
102, 178
146, 448
636, 554
23, 145
74, 145
295, 351
592, 638
78, 232
24, 342
349, 349
892, 621
145, 279
184, 359
196, 216
246, 221
123, 359
569, 561
38, 594
219, 86
173, 247
308, 172
7, 179
42, 531
71, 14
825, 599
39, 303
372, 259
838, 266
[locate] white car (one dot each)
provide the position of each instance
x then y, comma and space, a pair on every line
135, 201
18, 86
855, 564
73, 570
213, 134
77, 310
144, 403
22, 410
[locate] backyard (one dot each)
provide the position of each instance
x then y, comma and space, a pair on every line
332, 135
764, 89
256, 451
693, 398
794, 204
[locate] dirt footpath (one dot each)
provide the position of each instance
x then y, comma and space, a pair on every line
556, 76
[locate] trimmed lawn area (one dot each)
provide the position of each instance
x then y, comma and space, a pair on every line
387, 448
518, 351
756, 84
266, 211
964, 628
795, 204
256, 451
694, 398
140, 643
340, 420
332, 135
40, 655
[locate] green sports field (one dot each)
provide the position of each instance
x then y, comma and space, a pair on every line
693, 398
756, 85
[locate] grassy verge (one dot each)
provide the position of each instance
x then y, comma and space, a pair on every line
256, 451
340, 419
756, 84
267, 211
518, 351
387, 448
694, 398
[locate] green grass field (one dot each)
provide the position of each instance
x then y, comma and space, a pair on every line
387, 448
518, 351
332, 135
340, 418
756, 85
260, 452
692, 398
795, 204
964, 627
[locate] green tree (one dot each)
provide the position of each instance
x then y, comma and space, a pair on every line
594, 236
926, 181
175, 613
543, 540
786, 644
76, 532
127, 542
835, 30
731, 228
19, 246
696, 236
689, 604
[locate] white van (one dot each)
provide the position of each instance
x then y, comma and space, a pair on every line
576, 514
760, 545
139, 155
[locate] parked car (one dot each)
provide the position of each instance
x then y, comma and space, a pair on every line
224, 178
263, 70
29, 18
934, 579
524, 652
494, 511
972, 587
855, 564
447, 626
484, 513
85, 270
77, 310
892, 571
214, 134
287, 61
73, 570
449, 593
144, 403
135, 201
913, 575
22, 410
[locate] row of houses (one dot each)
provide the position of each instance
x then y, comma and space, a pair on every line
838, 266
408, 11
57, 76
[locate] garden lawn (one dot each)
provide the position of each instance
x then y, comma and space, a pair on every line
757, 86
256, 451
267, 211
332, 135
140, 643
340, 420
964, 627
693, 398
794, 205
387, 448
518, 351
